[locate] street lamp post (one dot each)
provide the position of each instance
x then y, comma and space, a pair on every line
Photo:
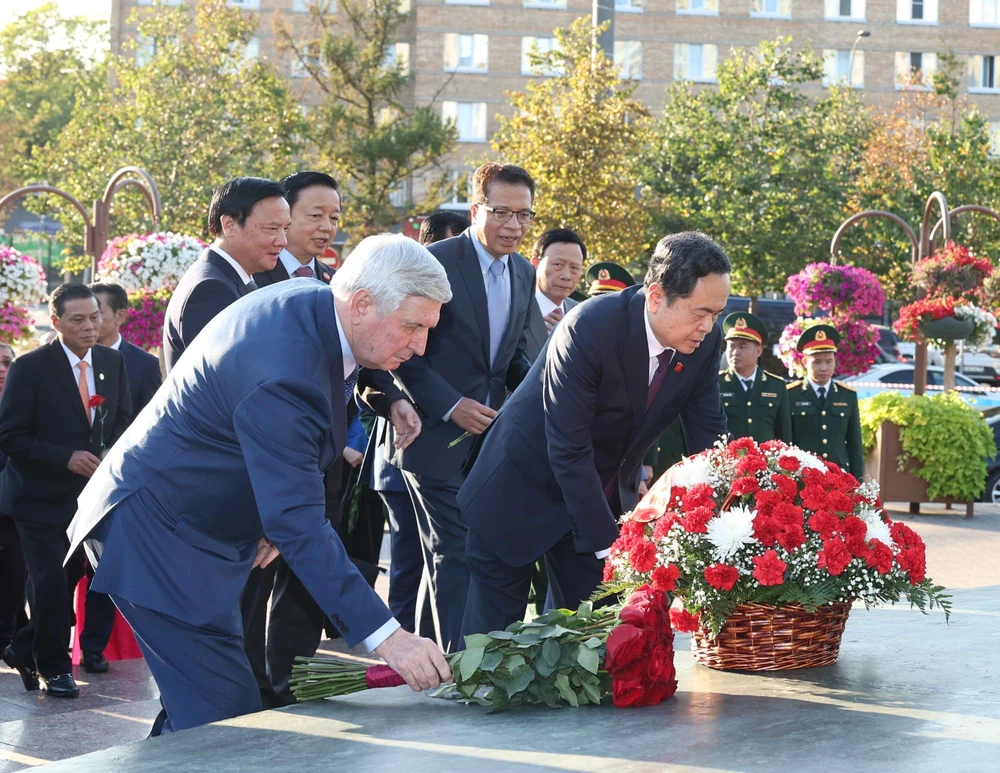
850, 60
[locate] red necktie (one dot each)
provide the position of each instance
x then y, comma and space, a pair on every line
305, 271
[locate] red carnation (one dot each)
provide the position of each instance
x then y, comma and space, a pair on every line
839, 502
789, 488
789, 463
834, 557
696, 521
772, 445
750, 464
879, 555
745, 444
745, 485
699, 495
721, 576
787, 514
663, 526
814, 497
664, 578
767, 500
827, 524
855, 531
766, 530
642, 556
769, 569
684, 621
96, 401
903, 535
791, 537
913, 560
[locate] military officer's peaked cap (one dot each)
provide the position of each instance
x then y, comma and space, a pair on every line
744, 326
607, 278
819, 338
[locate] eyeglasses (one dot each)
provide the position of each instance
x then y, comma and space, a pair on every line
503, 215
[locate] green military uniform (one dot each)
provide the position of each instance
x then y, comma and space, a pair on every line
607, 278
828, 427
762, 412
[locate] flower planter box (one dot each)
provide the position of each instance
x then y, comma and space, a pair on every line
899, 486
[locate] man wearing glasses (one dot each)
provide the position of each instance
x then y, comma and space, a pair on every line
474, 355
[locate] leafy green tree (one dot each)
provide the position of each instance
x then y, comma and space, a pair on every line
362, 127
46, 61
581, 134
191, 108
758, 164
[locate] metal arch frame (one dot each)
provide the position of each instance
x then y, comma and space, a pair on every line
960, 210
96, 230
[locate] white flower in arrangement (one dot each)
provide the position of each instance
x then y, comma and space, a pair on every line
877, 528
805, 458
985, 323
148, 261
22, 280
731, 530
691, 472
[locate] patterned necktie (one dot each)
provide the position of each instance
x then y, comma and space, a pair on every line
303, 271
664, 358
84, 389
349, 383
496, 303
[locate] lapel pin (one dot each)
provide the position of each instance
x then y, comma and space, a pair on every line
678, 367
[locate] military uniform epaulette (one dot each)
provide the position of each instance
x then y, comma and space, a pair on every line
794, 384
842, 385
723, 372
773, 375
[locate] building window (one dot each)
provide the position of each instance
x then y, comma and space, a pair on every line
397, 196
844, 10
398, 54
781, 8
466, 53
695, 62
628, 59
915, 69
836, 67
917, 11
984, 13
995, 138
539, 46
629, 6
469, 118
701, 7
145, 49
459, 200
300, 70
561, 4
982, 73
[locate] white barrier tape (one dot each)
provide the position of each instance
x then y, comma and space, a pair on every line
929, 387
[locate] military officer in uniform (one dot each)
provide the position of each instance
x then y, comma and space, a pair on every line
756, 401
825, 417
604, 278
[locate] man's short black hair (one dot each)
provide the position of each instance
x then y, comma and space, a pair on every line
237, 198
436, 226
681, 259
496, 172
299, 180
116, 295
557, 236
64, 293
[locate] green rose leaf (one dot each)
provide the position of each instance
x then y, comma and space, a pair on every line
520, 679
469, 664
588, 659
478, 640
491, 660
550, 652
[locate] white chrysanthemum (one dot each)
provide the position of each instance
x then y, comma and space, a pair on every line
877, 528
691, 472
805, 458
730, 531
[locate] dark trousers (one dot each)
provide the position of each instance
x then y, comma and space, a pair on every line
203, 675
407, 565
99, 620
13, 576
443, 534
498, 592
294, 629
253, 607
45, 639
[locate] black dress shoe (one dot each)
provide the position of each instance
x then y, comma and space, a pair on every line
29, 677
62, 686
95, 663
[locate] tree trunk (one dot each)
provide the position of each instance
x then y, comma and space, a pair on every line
754, 304
950, 351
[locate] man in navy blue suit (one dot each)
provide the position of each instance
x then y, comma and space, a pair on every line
224, 470
561, 461
247, 219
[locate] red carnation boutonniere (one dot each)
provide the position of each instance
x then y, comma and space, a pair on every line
678, 367
97, 403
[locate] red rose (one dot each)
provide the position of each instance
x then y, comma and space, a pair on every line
834, 557
745, 485
96, 401
660, 665
696, 521
854, 535
789, 463
879, 555
625, 645
826, 524
627, 692
642, 556
721, 576
769, 569
683, 621
665, 578
791, 537
645, 608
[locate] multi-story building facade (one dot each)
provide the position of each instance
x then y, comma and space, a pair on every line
464, 54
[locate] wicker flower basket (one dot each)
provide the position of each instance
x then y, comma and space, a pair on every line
758, 637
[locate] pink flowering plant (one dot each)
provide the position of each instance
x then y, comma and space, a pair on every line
146, 312
842, 290
857, 352
153, 261
16, 327
22, 280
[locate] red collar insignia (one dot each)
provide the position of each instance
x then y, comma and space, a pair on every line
678, 367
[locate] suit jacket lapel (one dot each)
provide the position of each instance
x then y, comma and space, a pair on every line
64, 375
472, 275
323, 271
223, 265
102, 387
635, 359
536, 327
517, 266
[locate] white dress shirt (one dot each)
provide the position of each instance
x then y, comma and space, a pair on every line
545, 304
391, 625
74, 363
232, 262
751, 378
292, 264
828, 387
117, 344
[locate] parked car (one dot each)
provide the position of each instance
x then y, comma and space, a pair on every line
908, 352
888, 345
896, 376
992, 491
982, 366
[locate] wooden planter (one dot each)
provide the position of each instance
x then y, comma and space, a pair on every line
899, 486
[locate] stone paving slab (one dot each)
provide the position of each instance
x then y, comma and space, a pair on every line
908, 693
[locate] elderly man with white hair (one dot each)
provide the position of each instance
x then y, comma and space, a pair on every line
223, 469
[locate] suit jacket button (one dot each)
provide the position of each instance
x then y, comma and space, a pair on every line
803, 413
823, 413
824, 426
749, 403
824, 441
749, 421
826, 456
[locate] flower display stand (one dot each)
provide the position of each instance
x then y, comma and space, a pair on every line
899, 485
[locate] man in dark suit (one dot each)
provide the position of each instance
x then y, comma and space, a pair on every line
247, 220
558, 257
226, 469
12, 571
63, 405
442, 225
474, 356
561, 460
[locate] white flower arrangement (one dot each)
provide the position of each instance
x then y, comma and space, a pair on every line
986, 324
150, 262
22, 280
